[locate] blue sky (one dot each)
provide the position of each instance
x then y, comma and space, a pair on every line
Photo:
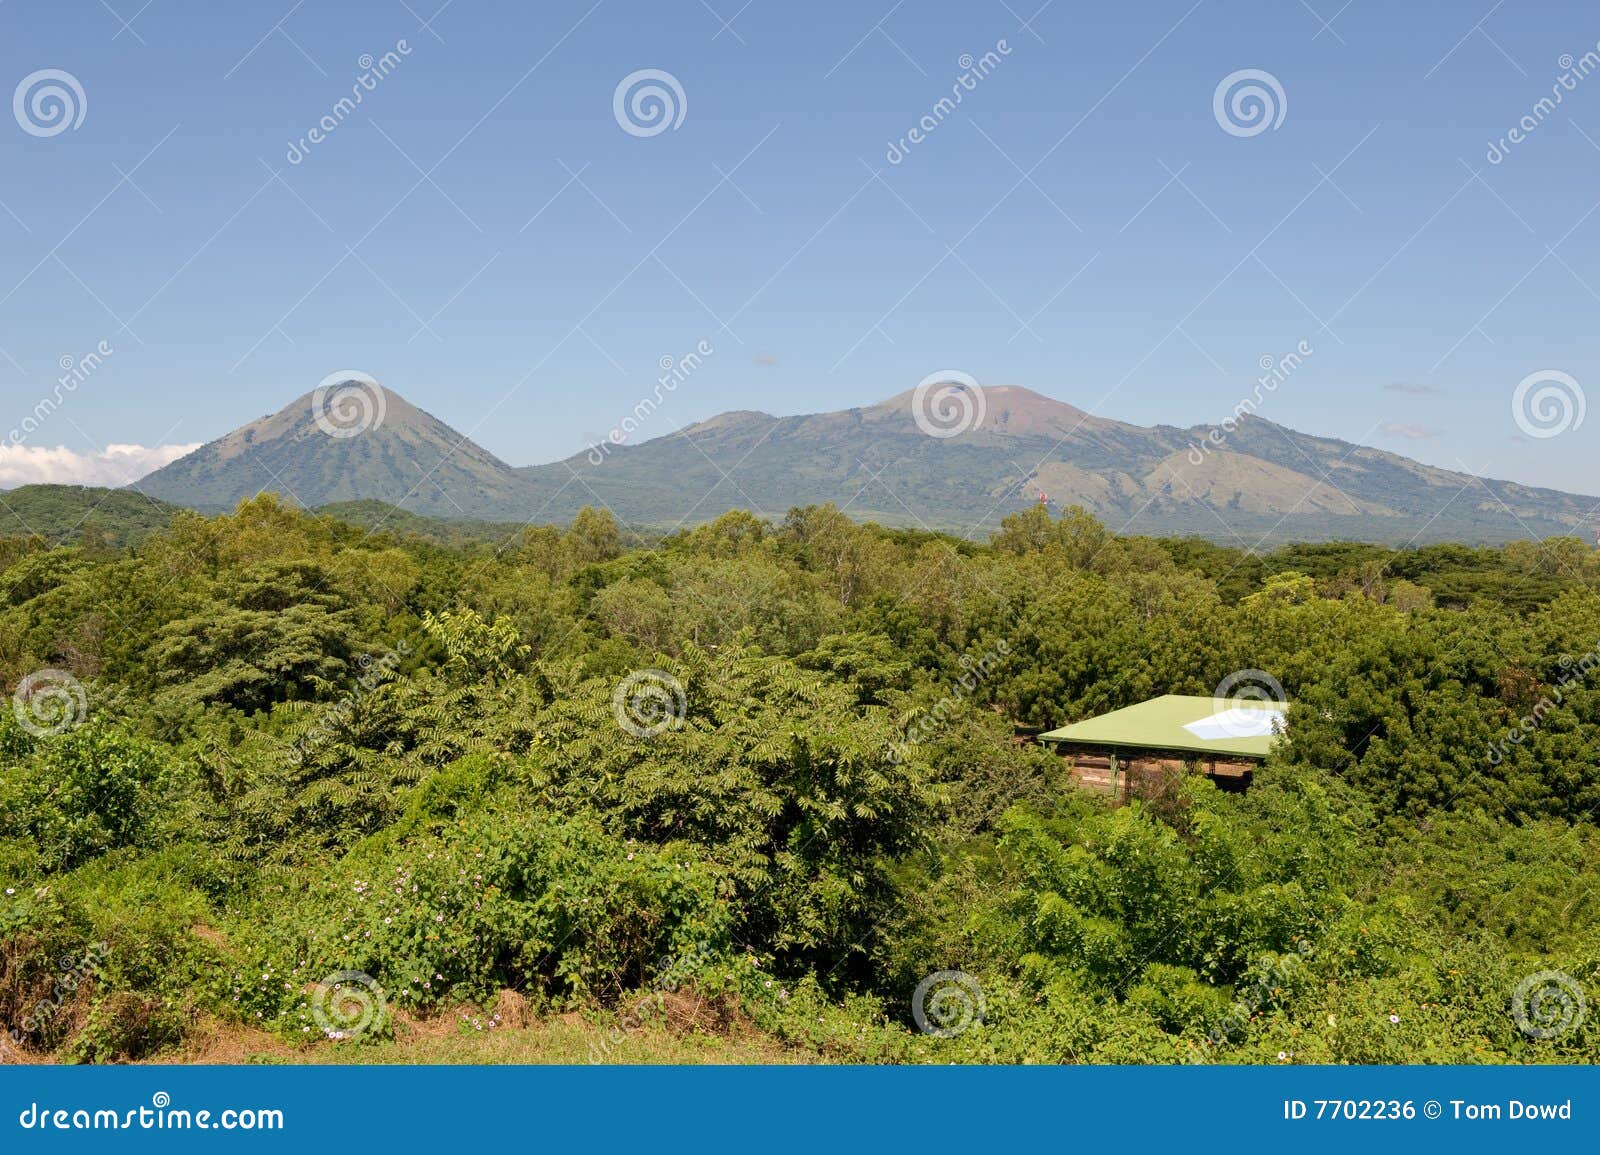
483, 236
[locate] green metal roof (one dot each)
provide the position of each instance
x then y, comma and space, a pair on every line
1234, 729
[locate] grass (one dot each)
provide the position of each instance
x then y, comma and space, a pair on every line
569, 1039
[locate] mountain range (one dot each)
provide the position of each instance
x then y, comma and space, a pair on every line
1258, 483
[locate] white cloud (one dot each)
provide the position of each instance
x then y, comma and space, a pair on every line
118, 465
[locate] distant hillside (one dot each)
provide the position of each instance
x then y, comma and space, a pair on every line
80, 514
380, 517
406, 457
1264, 483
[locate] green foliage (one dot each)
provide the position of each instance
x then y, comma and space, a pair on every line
827, 799
79, 794
499, 898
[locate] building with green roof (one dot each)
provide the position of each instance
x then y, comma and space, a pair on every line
1225, 739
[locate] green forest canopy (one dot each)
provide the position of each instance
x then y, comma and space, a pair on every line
254, 751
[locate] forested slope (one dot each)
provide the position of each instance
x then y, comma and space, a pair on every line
265, 772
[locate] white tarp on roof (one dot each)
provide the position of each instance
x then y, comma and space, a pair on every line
1239, 722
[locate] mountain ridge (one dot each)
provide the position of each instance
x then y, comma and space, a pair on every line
881, 462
